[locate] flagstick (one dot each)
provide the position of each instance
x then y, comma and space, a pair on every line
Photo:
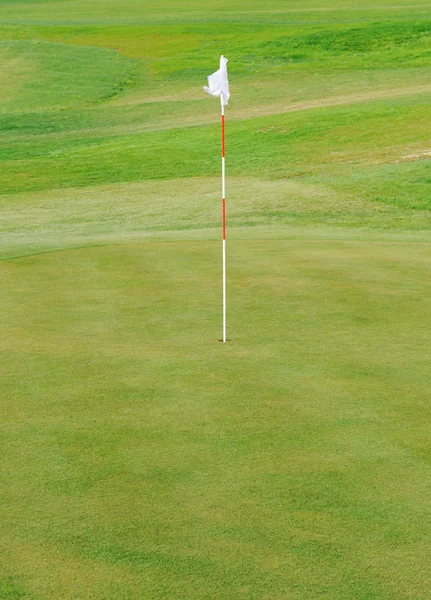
223, 212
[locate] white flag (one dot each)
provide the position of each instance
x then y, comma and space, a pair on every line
218, 84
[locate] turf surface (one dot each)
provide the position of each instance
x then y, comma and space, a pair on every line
140, 457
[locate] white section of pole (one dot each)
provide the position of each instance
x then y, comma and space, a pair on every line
223, 175
224, 290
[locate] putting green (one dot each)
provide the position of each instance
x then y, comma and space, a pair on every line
142, 451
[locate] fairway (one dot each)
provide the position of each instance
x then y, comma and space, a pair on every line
141, 458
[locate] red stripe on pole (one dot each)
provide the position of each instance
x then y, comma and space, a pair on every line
222, 136
223, 215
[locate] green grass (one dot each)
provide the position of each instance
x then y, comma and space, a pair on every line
140, 457
59, 76
156, 463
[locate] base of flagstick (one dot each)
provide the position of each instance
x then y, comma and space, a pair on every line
224, 341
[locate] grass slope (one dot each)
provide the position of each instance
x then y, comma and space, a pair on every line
142, 459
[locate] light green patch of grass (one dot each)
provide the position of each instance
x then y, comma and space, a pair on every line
413, 179
86, 216
14, 72
60, 76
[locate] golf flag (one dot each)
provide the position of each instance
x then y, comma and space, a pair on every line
218, 84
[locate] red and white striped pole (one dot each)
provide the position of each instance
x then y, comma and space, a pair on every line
218, 85
223, 216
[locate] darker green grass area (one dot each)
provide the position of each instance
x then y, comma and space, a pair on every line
333, 146
369, 45
10, 589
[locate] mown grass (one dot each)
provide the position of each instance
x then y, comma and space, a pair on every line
142, 458
284, 145
156, 463
59, 76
